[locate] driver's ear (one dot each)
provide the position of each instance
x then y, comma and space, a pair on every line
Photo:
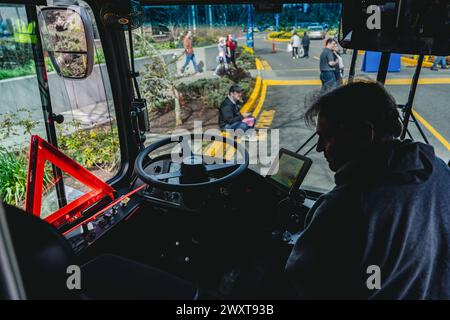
367, 132
363, 133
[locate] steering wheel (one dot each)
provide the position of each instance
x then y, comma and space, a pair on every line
194, 172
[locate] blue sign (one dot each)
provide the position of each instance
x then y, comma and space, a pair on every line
250, 42
277, 21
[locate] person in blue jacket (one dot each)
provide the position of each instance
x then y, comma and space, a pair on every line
383, 232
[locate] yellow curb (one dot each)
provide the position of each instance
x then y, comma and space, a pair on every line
413, 62
250, 103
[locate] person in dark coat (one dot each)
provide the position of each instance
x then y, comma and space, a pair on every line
383, 232
230, 116
305, 45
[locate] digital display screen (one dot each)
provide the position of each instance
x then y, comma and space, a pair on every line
289, 168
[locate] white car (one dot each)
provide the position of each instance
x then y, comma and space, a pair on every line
316, 32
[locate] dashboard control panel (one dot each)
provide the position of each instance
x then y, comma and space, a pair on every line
87, 232
173, 198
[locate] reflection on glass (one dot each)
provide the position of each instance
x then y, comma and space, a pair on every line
73, 65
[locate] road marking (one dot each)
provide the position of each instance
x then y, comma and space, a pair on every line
432, 130
313, 82
266, 65
292, 82
421, 81
265, 119
306, 69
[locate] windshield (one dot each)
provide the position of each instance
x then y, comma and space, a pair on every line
189, 56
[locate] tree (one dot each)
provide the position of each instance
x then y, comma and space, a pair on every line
158, 82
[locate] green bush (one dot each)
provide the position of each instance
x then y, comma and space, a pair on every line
245, 59
25, 70
93, 148
13, 176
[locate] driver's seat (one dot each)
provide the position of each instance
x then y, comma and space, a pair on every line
44, 255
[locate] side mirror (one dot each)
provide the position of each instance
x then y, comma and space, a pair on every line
68, 37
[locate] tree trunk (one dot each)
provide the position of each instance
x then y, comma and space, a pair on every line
176, 96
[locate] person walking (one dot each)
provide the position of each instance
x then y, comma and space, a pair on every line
439, 60
305, 45
231, 50
295, 43
328, 63
189, 51
222, 64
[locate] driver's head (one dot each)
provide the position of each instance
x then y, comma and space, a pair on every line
351, 119
236, 92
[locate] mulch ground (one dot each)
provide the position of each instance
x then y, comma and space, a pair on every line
194, 110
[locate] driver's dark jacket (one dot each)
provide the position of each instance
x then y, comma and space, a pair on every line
229, 113
390, 208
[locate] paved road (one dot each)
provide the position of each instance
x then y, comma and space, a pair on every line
431, 101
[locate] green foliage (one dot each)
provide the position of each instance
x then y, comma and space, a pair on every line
166, 45
14, 54
13, 176
28, 68
156, 86
157, 82
245, 59
12, 122
21, 71
92, 148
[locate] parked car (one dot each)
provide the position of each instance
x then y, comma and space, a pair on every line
160, 33
316, 32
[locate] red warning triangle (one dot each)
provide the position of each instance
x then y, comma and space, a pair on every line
40, 152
